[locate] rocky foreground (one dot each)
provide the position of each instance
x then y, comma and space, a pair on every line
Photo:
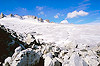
25, 43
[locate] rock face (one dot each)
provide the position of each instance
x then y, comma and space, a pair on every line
7, 43
51, 62
2, 15
40, 19
52, 22
11, 15
47, 20
17, 16
23, 58
29, 39
34, 17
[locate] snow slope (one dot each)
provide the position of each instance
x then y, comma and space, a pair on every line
59, 34
64, 44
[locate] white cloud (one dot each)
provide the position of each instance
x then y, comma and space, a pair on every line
24, 9
79, 21
41, 13
57, 15
64, 22
39, 8
75, 14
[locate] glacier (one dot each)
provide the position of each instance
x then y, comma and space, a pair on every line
59, 44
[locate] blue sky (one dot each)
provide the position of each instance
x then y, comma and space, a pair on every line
74, 11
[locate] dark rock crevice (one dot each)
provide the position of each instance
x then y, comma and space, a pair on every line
8, 43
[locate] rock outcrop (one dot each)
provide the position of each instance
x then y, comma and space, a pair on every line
17, 16
2, 15
40, 19
47, 20
11, 15
25, 57
34, 17
7, 43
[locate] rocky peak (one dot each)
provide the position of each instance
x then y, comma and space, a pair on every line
11, 15
47, 20
40, 19
2, 15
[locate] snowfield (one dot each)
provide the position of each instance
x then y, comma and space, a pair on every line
70, 44
60, 34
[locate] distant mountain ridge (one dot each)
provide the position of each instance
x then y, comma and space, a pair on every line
25, 17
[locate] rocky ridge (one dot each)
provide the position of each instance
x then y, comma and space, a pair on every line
25, 17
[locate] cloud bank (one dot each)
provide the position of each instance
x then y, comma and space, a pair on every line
64, 22
39, 8
75, 14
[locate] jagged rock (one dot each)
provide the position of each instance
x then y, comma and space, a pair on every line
40, 19
70, 44
62, 53
48, 55
7, 61
48, 61
2, 15
98, 53
75, 60
46, 49
37, 18
56, 62
51, 62
11, 15
47, 20
18, 49
34, 17
17, 16
52, 22
83, 50
57, 49
8, 43
65, 61
29, 39
29, 16
25, 57
56, 54
91, 60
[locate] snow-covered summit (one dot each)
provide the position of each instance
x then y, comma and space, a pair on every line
26, 17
